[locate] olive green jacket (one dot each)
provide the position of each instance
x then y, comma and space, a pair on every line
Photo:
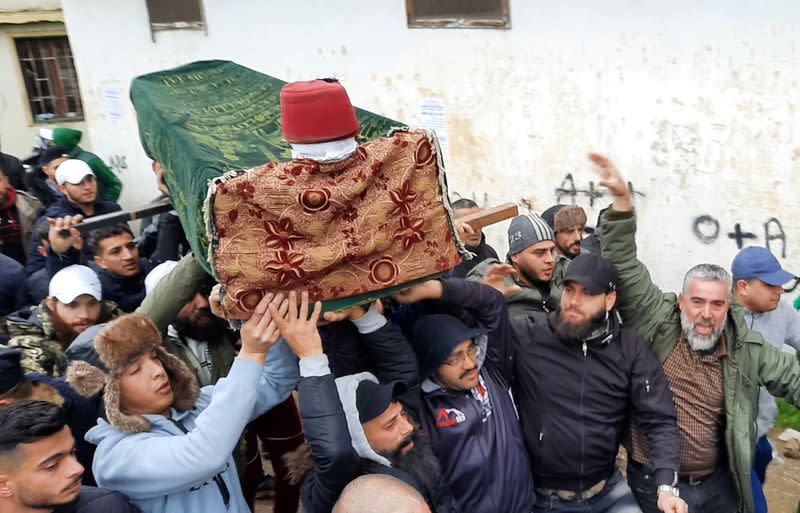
527, 299
750, 361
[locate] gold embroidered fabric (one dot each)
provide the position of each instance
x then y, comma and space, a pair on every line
372, 221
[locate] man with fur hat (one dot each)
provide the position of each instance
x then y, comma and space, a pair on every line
163, 442
356, 424
38, 468
463, 400
567, 223
74, 303
538, 267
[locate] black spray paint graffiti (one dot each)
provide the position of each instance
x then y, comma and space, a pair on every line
484, 203
707, 230
569, 190
118, 163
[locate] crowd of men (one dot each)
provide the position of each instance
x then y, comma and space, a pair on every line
508, 385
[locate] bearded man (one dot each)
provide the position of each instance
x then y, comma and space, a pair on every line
73, 304
713, 363
579, 377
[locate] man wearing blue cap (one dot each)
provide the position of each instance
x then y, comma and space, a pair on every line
757, 281
713, 362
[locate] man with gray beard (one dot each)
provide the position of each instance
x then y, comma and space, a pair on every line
713, 363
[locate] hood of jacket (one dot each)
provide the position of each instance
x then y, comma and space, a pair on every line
346, 386
67, 137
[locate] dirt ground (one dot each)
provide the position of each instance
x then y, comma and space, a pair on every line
782, 488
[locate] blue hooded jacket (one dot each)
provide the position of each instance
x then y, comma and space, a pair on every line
185, 463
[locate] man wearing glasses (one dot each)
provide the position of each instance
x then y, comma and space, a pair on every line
463, 402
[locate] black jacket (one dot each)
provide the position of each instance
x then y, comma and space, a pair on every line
482, 455
98, 500
325, 427
482, 252
575, 399
61, 208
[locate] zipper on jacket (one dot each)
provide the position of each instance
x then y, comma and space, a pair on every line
583, 442
647, 385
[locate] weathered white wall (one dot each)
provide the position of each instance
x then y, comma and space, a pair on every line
696, 101
17, 131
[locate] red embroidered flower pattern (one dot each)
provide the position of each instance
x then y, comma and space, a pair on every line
410, 231
287, 265
402, 199
383, 271
248, 299
442, 263
280, 234
350, 214
315, 200
424, 155
245, 190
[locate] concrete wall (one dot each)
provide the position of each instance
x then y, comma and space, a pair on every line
17, 130
696, 101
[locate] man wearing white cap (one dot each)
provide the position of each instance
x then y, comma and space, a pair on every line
74, 303
75, 179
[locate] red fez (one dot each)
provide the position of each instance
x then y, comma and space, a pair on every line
316, 111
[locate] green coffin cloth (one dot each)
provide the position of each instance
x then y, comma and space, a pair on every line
205, 118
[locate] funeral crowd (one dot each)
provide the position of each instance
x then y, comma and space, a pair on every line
556, 377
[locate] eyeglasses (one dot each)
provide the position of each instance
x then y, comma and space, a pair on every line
473, 351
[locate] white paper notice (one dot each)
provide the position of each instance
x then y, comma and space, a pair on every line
432, 115
112, 102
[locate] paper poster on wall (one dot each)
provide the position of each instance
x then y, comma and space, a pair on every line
112, 102
433, 116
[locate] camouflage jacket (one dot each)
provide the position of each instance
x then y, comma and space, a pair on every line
35, 336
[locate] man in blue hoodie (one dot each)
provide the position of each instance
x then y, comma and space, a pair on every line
164, 443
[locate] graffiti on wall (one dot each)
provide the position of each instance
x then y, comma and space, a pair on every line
118, 163
592, 192
707, 229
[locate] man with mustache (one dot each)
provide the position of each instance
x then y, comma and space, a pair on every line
463, 401
757, 281
355, 424
579, 377
714, 365
538, 267
74, 303
38, 469
567, 222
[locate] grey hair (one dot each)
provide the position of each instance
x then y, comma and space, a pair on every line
707, 272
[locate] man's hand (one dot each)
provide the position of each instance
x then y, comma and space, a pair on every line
611, 178
63, 234
496, 276
351, 314
297, 328
431, 289
260, 332
668, 503
215, 303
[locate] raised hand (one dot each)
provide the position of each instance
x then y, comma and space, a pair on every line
260, 332
611, 178
496, 276
430, 289
352, 313
297, 328
62, 233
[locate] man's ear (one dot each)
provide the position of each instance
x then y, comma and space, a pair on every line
100, 261
41, 250
62, 188
50, 304
611, 300
6, 490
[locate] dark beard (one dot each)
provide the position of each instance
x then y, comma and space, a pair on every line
420, 462
578, 332
211, 333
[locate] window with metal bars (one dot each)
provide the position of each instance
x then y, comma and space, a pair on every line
50, 78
